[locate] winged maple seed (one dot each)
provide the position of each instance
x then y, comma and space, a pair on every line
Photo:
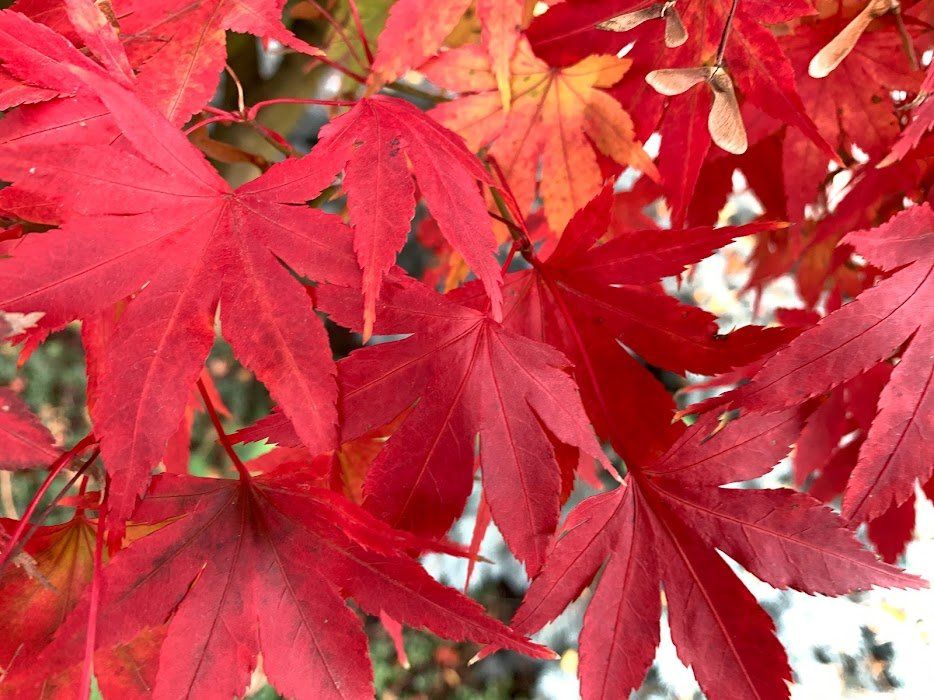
675, 33
842, 44
725, 122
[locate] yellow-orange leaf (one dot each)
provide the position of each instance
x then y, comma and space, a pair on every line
556, 118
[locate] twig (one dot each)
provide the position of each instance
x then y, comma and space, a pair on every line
358, 23
509, 257
270, 137
726, 33
221, 435
341, 69
510, 211
254, 110
58, 497
210, 120
907, 43
90, 636
411, 90
241, 102
340, 31
506, 222
54, 470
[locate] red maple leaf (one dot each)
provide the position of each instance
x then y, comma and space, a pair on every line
852, 106
177, 47
380, 141
892, 318
467, 376
36, 597
661, 527
239, 567
558, 121
24, 441
752, 58
415, 31
601, 304
163, 219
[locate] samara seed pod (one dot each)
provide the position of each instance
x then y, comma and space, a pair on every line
839, 47
725, 122
675, 33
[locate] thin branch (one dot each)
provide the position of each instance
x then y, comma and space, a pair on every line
54, 470
210, 120
273, 138
907, 43
358, 24
241, 102
506, 222
726, 33
340, 31
58, 497
90, 636
221, 435
509, 257
412, 91
254, 110
341, 69
509, 208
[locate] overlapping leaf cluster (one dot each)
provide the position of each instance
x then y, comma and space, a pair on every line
116, 216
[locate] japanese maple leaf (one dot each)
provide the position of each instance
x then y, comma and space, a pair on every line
24, 441
661, 528
381, 144
892, 318
52, 13
808, 249
262, 565
35, 599
558, 118
162, 221
753, 59
852, 106
827, 452
893, 531
35, 78
466, 376
922, 123
415, 31
180, 45
97, 332
177, 47
601, 304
